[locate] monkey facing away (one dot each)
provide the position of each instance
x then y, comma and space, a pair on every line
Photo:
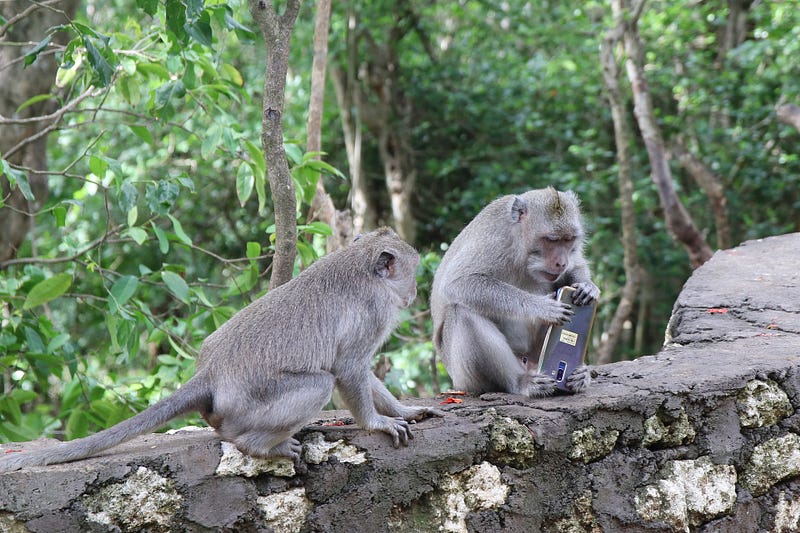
492, 297
273, 366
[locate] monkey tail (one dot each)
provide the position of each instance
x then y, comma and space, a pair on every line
192, 396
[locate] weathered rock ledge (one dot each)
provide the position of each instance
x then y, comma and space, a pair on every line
703, 436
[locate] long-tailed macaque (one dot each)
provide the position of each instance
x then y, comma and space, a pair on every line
492, 296
273, 366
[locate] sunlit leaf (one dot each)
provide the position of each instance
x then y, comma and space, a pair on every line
47, 290
244, 183
176, 285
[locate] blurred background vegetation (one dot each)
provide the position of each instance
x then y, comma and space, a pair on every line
135, 216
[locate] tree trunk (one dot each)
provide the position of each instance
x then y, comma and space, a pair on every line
622, 137
401, 176
22, 143
322, 207
277, 32
789, 114
679, 222
712, 186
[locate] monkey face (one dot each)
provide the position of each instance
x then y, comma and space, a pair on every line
552, 255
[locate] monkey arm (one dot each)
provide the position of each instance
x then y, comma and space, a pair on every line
496, 299
355, 385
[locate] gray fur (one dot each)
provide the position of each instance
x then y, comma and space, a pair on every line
492, 295
273, 366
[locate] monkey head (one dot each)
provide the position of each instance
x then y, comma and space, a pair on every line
393, 262
551, 229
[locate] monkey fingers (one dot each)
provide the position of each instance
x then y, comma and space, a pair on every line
422, 413
557, 313
585, 292
538, 385
398, 429
580, 379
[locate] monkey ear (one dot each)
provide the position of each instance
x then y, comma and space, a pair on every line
519, 209
384, 266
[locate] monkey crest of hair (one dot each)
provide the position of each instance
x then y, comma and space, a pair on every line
557, 210
492, 297
272, 367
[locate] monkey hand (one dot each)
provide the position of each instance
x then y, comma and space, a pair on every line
585, 292
580, 379
415, 414
397, 428
538, 385
556, 313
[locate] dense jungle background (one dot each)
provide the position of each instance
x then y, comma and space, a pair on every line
136, 214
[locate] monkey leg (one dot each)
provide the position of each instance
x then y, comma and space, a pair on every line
263, 423
387, 404
479, 358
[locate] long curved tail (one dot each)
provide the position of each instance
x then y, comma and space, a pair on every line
192, 396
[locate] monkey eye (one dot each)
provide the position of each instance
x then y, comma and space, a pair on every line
552, 238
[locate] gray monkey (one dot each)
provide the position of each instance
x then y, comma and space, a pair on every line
492, 296
273, 366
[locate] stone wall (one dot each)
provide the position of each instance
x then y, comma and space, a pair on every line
703, 436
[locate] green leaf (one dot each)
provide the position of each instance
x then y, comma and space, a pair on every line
128, 195
148, 6
99, 63
200, 31
17, 178
244, 183
316, 227
176, 19
123, 289
35, 100
98, 166
133, 215
294, 152
211, 141
60, 214
176, 285
163, 242
142, 132
33, 53
176, 224
47, 290
139, 235
168, 91
253, 250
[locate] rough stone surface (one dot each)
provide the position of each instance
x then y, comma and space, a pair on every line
703, 436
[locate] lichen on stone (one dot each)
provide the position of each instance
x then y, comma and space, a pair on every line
511, 443
317, 450
581, 518
762, 403
145, 500
771, 462
285, 512
689, 493
590, 444
662, 431
235, 463
9, 524
787, 514
477, 488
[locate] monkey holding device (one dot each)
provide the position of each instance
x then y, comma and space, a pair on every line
272, 367
492, 297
